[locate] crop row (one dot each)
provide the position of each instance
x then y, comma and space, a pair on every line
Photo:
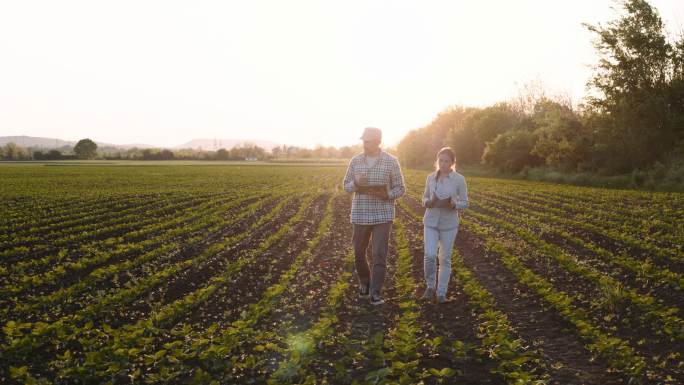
23, 338
214, 349
621, 356
122, 247
169, 245
644, 270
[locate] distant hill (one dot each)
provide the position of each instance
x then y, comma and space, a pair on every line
49, 143
215, 144
33, 141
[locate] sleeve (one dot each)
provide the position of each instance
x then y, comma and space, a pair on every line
348, 182
426, 193
397, 188
462, 196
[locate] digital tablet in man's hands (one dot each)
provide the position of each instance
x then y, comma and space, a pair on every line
446, 202
371, 189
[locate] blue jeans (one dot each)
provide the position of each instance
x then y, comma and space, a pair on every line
438, 244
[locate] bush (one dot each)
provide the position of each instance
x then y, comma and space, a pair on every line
510, 152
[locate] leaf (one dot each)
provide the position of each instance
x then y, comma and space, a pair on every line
18, 373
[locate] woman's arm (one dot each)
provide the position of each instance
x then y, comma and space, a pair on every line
461, 201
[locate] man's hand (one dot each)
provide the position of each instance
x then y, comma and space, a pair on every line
382, 194
430, 203
360, 180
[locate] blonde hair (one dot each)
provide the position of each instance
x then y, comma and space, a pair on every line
449, 152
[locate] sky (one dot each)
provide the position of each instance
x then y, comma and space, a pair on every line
302, 73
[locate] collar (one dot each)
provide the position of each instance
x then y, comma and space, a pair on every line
451, 175
380, 153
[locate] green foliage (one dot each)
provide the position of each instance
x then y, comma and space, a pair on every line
512, 151
563, 141
419, 147
85, 149
639, 80
470, 139
632, 123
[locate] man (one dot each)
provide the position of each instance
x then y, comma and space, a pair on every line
376, 181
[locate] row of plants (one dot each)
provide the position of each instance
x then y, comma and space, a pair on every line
667, 207
654, 227
23, 338
132, 222
53, 212
619, 355
124, 352
75, 253
301, 349
91, 255
652, 310
221, 352
170, 245
626, 236
101, 217
644, 271
514, 361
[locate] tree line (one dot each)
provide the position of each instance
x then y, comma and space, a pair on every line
632, 122
88, 149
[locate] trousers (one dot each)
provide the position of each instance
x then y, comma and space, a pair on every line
438, 245
378, 236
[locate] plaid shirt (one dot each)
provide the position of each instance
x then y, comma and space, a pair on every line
367, 209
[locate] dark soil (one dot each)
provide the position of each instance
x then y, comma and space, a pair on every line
564, 352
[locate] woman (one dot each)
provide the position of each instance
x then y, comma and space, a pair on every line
445, 194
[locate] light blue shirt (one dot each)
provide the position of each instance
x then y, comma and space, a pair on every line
452, 186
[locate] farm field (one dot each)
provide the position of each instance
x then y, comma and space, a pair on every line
244, 274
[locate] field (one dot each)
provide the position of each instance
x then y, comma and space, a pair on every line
243, 274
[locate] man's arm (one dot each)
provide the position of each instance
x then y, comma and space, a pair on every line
397, 188
426, 194
349, 185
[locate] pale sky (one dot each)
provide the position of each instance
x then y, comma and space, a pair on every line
294, 72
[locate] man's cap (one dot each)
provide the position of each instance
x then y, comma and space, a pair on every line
371, 133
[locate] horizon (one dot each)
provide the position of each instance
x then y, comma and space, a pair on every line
238, 141
300, 73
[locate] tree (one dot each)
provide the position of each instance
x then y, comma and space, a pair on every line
563, 141
419, 147
85, 149
470, 138
639, 94
222, 154
12, 151
511, 151
166, 154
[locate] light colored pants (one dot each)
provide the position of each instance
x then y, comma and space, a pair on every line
438, 243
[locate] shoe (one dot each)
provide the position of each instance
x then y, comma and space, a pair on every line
428, 294
364, 291
441, 299
375, 299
